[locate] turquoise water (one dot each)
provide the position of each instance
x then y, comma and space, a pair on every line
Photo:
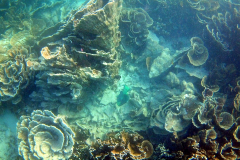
119, 79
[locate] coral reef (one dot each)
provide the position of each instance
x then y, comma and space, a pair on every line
122, 146
198, 54
15, 75
207, 144
217, 133
134, 24
96, 26
59, 82
91, 38
175, 115
65, 56
44, 136
204, 5
222, 25
220, 77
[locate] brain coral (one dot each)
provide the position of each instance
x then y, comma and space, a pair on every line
44, 136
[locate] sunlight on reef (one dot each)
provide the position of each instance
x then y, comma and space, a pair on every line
119, 79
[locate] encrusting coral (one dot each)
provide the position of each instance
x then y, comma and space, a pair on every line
44, 136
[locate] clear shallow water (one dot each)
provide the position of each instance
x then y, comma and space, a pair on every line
67, 64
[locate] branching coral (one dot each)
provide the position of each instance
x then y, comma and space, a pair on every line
44, 136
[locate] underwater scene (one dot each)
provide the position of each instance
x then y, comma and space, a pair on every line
119, 79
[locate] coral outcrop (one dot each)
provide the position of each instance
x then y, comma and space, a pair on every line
44, 136
91, 37
60, 80
97, 26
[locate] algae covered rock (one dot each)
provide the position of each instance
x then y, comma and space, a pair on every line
165, 61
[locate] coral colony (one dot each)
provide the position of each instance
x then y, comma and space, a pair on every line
120, 79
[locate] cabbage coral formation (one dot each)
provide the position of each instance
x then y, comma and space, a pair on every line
123, 146
61, 82
223, 26
175, 115
198, 55
212, 143
217, 135
44, 136
137, 21
15, 75
204, 5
